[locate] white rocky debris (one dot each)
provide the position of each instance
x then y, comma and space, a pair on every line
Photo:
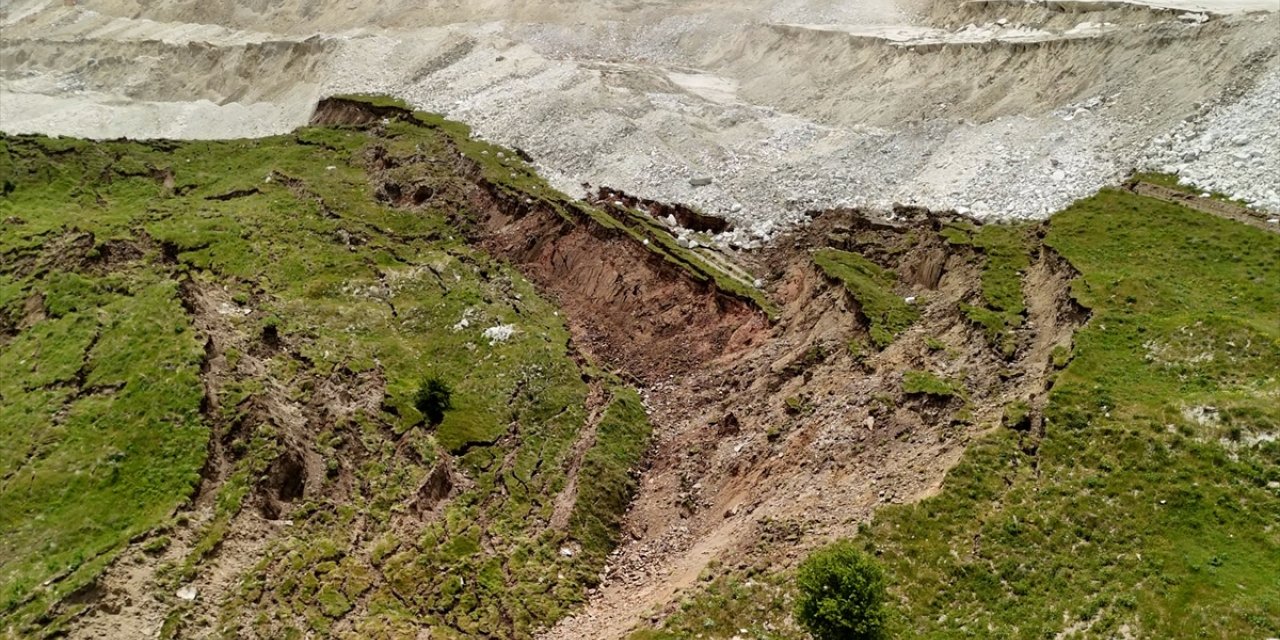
718, 107
1233, 149
499, 333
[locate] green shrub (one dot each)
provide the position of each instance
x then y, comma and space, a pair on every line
841, 594
433, 399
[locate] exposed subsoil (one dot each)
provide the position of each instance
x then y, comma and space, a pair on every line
740, 476
733, 456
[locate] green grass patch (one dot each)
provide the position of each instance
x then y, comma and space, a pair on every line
102, 432
101, 415
925, 383
1132, 514
872, 287
622, 437
1006, 251
958, 233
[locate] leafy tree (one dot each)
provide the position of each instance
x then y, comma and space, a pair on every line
433, 399
842, 594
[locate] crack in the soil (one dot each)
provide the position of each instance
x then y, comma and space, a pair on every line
234, 194
598, 398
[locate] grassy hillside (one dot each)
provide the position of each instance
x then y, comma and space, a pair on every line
249, 313
1149, 508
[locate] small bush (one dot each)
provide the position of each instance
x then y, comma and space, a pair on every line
433, 399
841, 594
796, 405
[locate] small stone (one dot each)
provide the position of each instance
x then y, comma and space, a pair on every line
699, 182
187, 593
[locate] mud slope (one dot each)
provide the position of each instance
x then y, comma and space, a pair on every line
773, 108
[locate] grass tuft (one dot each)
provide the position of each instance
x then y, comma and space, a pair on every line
872, 287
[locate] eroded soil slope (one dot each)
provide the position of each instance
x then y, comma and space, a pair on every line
217, 349
1134, 494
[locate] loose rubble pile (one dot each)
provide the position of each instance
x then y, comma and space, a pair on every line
1234, 150
1012, 113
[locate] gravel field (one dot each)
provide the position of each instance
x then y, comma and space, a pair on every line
757, 111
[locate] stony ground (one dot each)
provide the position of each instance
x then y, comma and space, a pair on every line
772, 108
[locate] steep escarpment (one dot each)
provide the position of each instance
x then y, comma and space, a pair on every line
629, 291
805, 437
1126, 454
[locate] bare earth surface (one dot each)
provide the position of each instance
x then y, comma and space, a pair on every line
721, 484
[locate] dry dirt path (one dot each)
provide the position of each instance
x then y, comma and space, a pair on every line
1209, 205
